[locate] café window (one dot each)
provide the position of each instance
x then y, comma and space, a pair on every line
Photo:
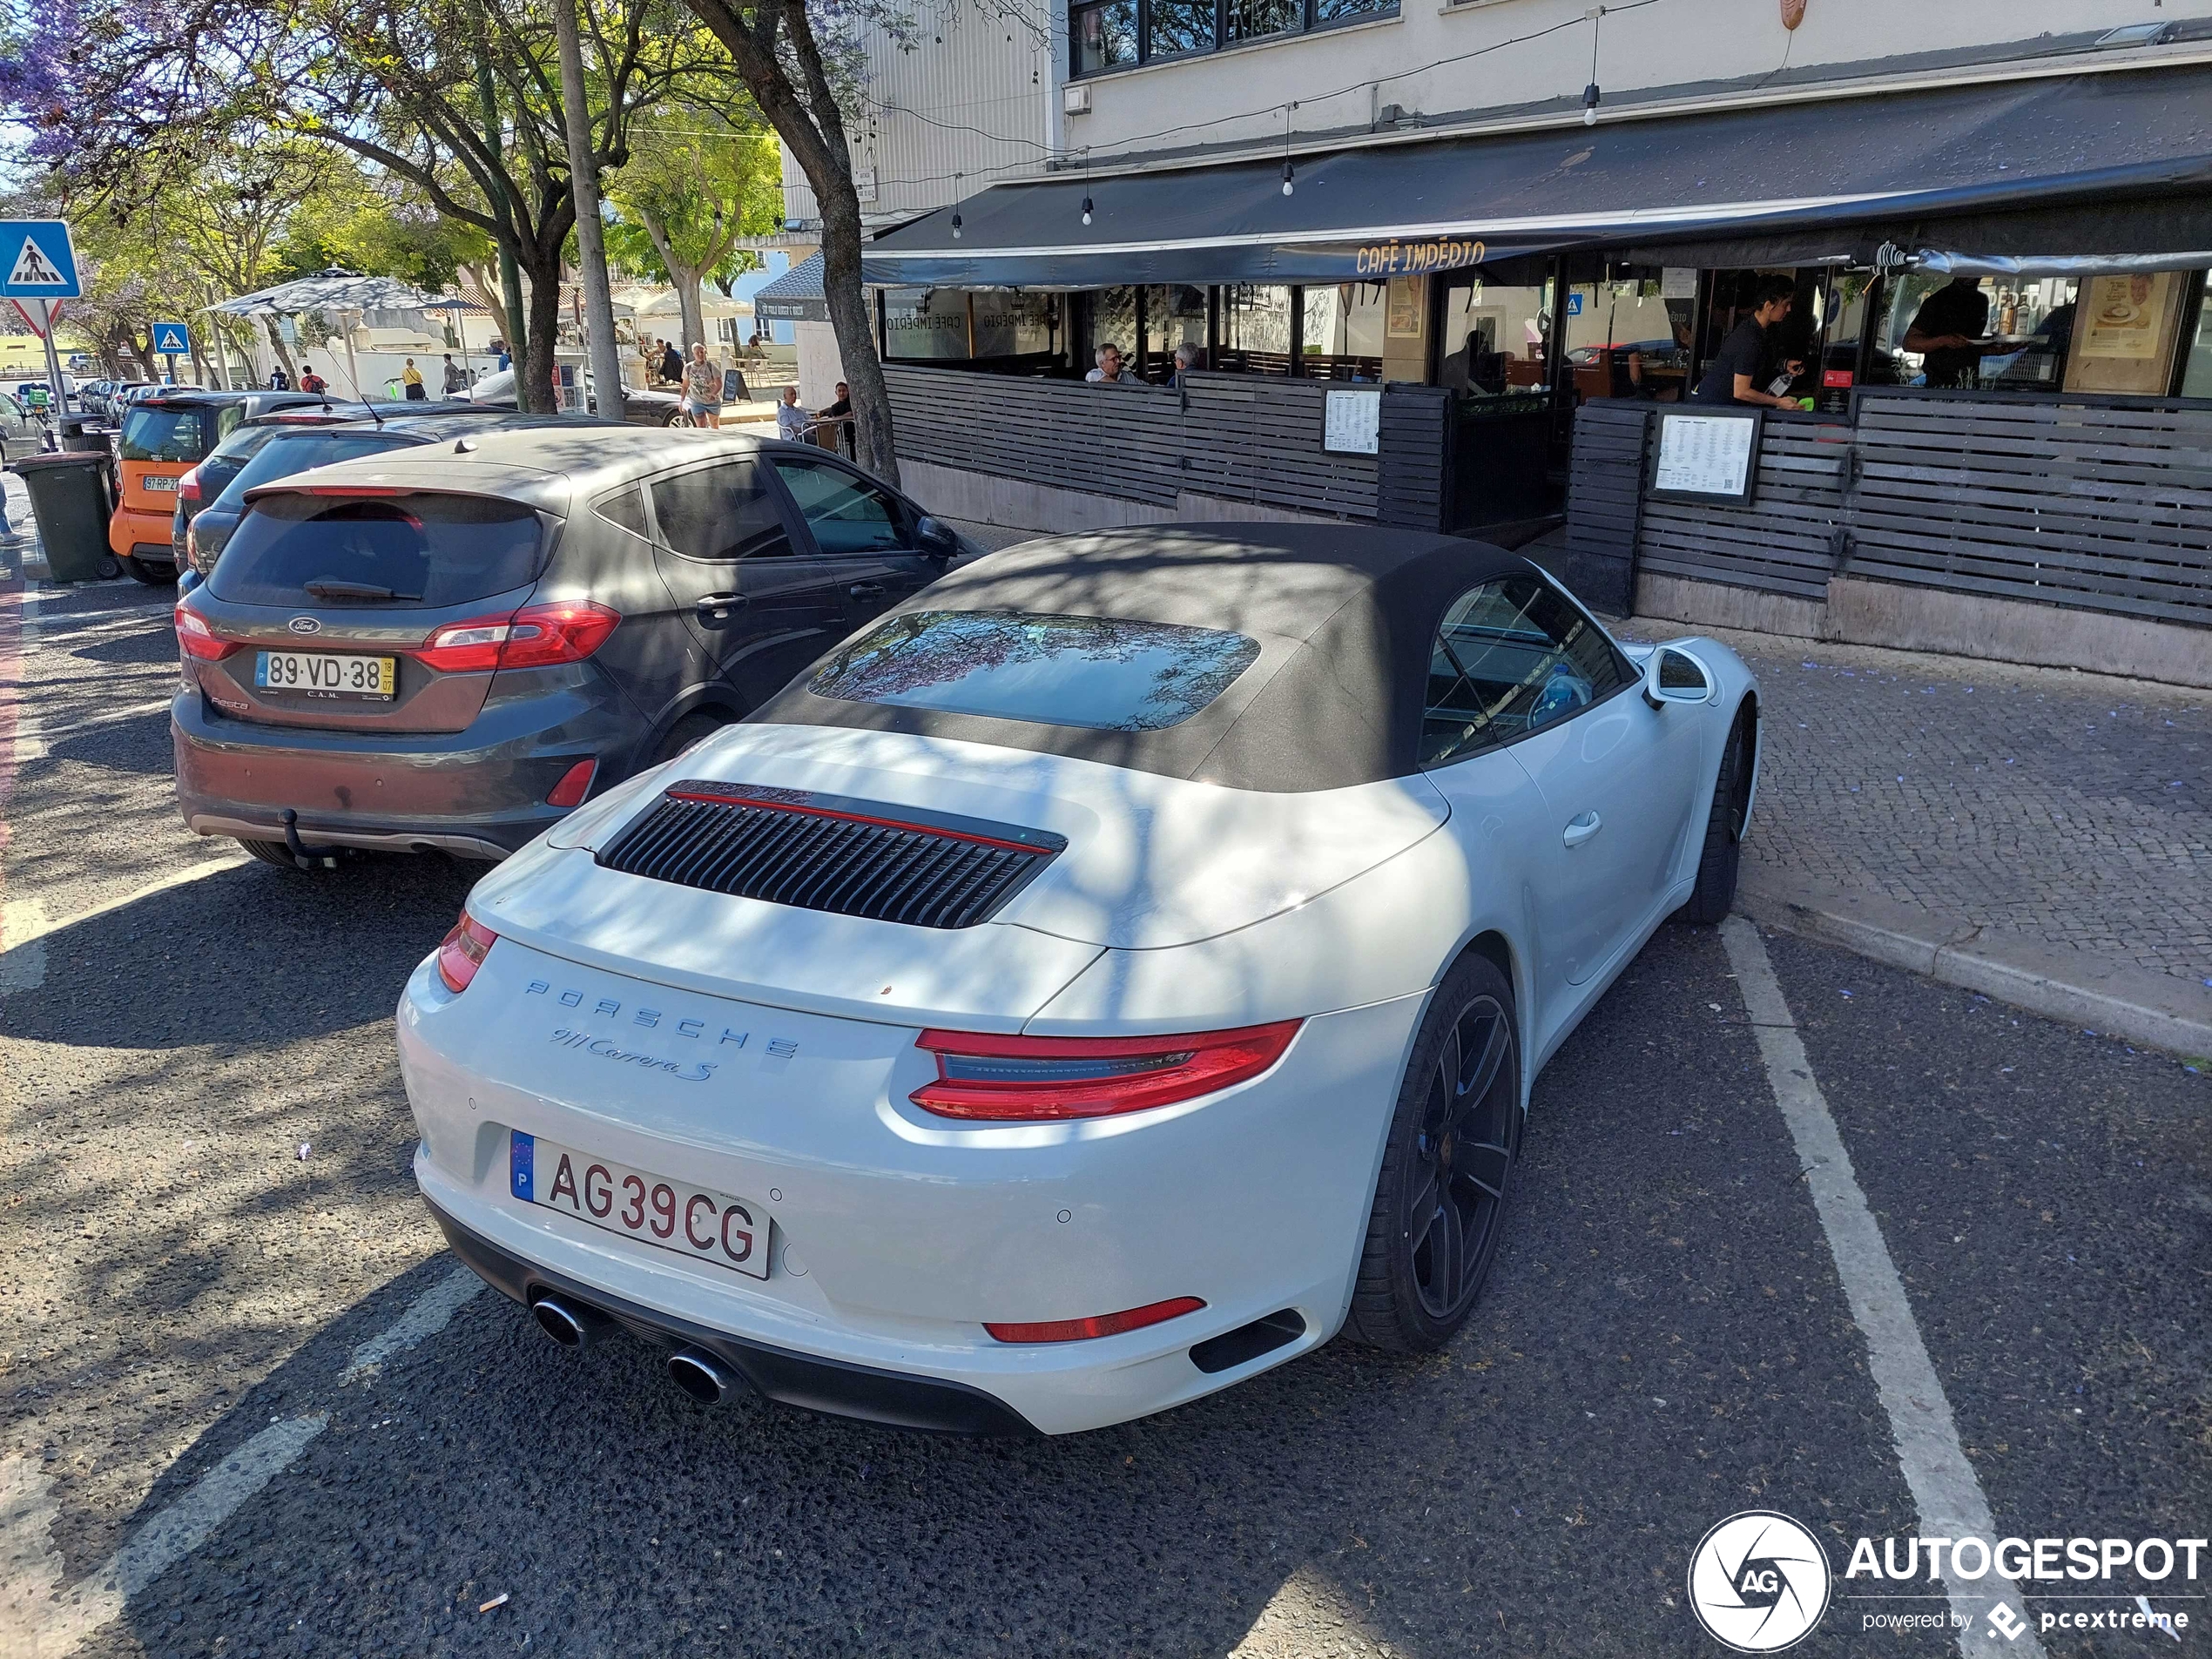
1496, 337
925, 324
1972, 335
2196, 367
1628, 337
1342, 338
1255, 328
1120, 33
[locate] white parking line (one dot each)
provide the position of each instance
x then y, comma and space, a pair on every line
35, 1624
1945, 1488
425, 1317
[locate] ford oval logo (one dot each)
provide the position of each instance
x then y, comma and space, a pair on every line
305, 625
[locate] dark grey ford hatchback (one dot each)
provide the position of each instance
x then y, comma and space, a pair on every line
453, 645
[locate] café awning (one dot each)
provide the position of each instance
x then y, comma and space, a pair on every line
1850, 172
796, 296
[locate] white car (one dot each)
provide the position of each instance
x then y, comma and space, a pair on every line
1109, 975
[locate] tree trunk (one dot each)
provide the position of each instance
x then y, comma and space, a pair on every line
283, 352
856, 326
533, 375
600, 349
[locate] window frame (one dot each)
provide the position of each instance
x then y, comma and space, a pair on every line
1310, 23
1630, 677
777, 497
909, 518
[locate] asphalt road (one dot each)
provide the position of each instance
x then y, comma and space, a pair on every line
208, 1212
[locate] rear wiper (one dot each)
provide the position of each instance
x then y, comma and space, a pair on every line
334, 588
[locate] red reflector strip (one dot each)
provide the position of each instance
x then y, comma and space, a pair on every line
1004, 1079
575, 785
462, 952
711, 798
1102, 1325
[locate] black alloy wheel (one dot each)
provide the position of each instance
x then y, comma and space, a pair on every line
1441, 1199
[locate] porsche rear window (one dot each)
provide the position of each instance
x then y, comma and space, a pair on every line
427, 551
1103, 673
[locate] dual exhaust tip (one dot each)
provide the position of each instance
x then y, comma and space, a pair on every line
574, 1325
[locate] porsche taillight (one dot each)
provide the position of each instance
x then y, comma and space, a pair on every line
462, 952
1002, 1079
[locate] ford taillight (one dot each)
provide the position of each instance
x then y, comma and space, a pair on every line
196, 639
535, 636
1002, 1079
462, 952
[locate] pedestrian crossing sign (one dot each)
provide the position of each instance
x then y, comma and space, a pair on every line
40, 261
172, 338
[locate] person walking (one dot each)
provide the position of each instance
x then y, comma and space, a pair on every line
311, 381
411, 383
279, 380
456, 377
672, 361
703, 388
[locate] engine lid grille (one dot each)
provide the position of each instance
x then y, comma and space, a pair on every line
854, 858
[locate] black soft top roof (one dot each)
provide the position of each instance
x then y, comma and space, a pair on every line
1344, 616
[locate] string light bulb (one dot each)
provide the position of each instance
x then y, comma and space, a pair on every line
1086, 210
956, 224
1589, 104
1287, 172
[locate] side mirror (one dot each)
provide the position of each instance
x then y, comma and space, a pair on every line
938, 539
1674, 676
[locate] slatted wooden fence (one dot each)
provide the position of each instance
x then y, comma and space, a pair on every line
2097, 508
1240, 437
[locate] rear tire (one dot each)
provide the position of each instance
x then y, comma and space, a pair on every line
1447, 1168
699, 723
154, 576
1710, 900
270, 853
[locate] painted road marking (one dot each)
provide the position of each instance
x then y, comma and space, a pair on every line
24, 923
1945, 1488
425, 1317
36, 1624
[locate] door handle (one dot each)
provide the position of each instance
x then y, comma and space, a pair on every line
1581, 827
864, 592
719, 605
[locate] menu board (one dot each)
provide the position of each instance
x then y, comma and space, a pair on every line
1707, 456
2125, 328
1351, 422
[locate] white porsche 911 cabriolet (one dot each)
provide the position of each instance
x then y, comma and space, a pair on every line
1111, 974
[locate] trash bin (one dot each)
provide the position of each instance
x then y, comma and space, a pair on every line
84, 435
73, 500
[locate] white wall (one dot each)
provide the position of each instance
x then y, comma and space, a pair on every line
1342, 77
974, 96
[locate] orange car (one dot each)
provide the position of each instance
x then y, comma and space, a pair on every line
165, 435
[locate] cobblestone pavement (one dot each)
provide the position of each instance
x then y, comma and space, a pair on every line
2070, 808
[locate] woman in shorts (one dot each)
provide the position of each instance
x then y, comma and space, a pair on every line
703, 388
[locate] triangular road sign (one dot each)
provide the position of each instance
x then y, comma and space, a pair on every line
32, 269
170, 338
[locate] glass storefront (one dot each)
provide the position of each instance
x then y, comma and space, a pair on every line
1255, 328
2018, 334
1343, 331
1497, 337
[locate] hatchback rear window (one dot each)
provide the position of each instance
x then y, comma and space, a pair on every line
427, 551
296, 451
168, 432
1099, 673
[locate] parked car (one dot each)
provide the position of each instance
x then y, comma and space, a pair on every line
165, 435
1112, 975
640, 406
453, 647
295, 440
21, 432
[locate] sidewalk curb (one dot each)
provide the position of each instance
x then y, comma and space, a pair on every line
2160, 1010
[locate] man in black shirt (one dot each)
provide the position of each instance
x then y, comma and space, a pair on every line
1738, 372
1945, 330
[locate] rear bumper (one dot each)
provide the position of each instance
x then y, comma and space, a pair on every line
477, 793
136, 534
894, 1398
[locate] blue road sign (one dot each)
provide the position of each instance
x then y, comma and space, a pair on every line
38, 260
172, 338
1574, 305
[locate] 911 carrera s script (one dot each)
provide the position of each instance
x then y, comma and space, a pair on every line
698, 1072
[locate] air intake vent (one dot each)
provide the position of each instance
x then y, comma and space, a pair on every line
856, 858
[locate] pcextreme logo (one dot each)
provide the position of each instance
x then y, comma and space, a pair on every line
1759, 1582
